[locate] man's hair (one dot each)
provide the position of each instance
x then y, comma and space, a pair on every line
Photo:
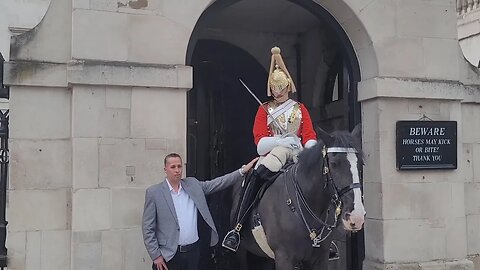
171, 155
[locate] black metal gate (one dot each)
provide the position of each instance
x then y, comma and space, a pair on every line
4, 93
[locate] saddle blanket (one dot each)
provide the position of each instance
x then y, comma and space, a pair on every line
261, 239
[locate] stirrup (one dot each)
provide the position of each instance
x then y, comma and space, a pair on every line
229, 243
333, 252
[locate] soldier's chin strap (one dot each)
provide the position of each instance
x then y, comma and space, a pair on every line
275, 121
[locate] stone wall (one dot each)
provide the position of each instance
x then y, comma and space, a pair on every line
151, 31
82, 157
17, 17
471, 159
417, 216
115, 157
86, 137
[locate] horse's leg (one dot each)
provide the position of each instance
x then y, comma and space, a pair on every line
318, 265
319, 261
283, 261
260, 263
241, 256
269, 265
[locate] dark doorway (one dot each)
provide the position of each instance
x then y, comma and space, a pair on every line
220, 121
220, 109
320, 58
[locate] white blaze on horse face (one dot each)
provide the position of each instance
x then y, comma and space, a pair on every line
357, 216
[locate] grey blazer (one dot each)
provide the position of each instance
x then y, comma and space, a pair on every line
160, 222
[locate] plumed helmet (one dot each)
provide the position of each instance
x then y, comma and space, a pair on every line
278, 75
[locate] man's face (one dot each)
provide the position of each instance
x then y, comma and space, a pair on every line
173, 168
281, 95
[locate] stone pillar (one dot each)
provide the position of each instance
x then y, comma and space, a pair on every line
415, 219
471, 159
98, 98
86, 141
125, 119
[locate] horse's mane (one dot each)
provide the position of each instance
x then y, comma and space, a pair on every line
310, 159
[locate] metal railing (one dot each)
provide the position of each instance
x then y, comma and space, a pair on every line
466, 6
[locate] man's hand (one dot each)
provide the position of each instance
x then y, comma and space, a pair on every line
247, 167
160, 263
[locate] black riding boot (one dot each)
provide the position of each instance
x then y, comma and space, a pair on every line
247, 202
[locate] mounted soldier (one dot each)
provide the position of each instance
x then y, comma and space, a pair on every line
281, 129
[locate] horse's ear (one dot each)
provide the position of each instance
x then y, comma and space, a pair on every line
357, 132
324, 136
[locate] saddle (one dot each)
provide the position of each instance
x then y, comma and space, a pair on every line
268, 180
257, 229
255, 184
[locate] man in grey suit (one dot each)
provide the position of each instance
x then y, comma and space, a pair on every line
170, 215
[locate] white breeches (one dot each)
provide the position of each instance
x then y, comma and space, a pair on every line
279, 155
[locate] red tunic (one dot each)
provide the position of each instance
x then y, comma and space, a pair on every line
261, 129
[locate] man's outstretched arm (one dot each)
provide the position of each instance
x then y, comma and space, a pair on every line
227, 180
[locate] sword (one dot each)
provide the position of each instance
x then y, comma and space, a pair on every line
261, 105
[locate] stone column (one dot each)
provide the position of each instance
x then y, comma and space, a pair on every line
88, 136
125, 119
86, 141
415, 219
39, 195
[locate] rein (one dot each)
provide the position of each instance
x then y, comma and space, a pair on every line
319, 235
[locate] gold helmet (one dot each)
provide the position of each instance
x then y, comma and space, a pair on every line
278, 78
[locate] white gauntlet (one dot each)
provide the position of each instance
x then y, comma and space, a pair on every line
289, 142
266, 144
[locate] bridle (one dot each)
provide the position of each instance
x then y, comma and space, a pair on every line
319, 235
336, 193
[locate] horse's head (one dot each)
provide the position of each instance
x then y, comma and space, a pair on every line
336, 163
342, 165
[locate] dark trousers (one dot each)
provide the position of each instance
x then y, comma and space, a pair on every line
187, 260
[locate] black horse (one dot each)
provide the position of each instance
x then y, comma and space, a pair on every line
306, 202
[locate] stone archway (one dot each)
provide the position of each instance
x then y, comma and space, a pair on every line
342, 15
317, 50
